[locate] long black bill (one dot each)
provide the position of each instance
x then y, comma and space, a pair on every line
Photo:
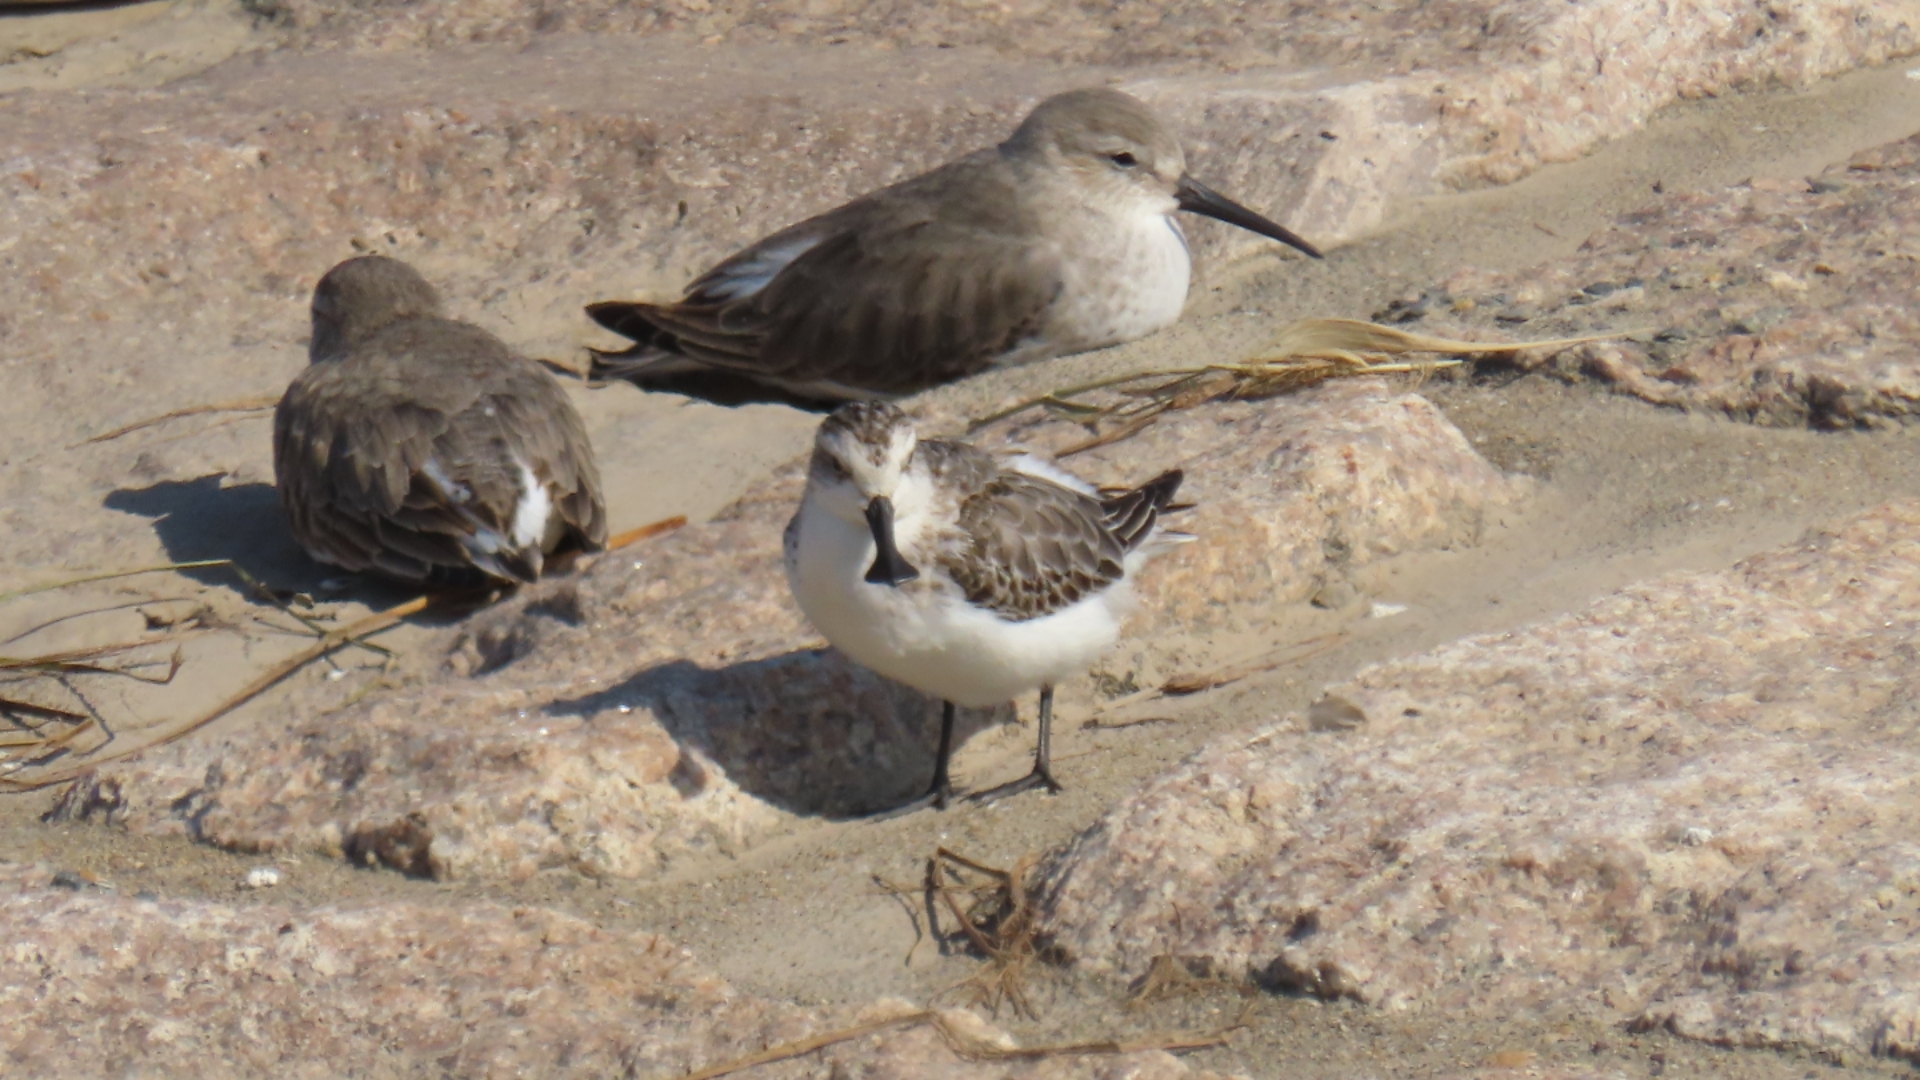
1197, 198
888, 567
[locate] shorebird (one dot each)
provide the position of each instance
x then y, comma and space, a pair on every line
424, 449
1059, 240
964, 575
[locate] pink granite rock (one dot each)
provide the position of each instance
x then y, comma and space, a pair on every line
1780, 303
671, 701
94, 984
1691, 805
1532, 1071
1342, 109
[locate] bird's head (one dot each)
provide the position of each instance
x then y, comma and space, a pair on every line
1117, 150
360, 296
860, 458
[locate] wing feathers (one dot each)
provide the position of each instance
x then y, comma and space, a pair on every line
412, 457
1026, 545
901, 290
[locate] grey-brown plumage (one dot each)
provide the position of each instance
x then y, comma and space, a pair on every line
424, 449
1029, 547
965, 575
1056, 241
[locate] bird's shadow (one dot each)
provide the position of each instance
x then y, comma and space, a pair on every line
201, 519
809, 731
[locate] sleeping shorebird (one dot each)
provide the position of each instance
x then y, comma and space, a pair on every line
424, 449
1059, 240
961, 574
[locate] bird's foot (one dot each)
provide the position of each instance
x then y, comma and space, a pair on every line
1039, 777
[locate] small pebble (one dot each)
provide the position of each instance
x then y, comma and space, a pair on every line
1333, 713
1696, 836
1381, 609
1334, 595
261, 877
1784, 282
1409, 308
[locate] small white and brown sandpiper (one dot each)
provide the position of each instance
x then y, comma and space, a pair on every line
964, 575
424, 449
1059, 240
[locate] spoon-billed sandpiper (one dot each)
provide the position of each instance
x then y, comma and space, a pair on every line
961, 574
423, 449
1059, 240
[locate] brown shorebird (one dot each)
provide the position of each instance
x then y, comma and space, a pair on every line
964, 575
424, 449
1059, 240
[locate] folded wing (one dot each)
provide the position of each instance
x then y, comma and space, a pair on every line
489, 472
887, 295
1030, 546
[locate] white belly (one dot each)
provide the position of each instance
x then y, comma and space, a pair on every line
1122, 283
926, 635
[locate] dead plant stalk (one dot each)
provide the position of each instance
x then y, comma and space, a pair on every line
1304, 354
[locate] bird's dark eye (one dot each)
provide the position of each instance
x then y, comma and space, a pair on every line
1123, 159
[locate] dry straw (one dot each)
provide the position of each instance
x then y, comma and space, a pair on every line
240, 405
1304, 354
40, 749
966, 1046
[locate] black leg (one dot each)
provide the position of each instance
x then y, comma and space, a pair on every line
941, 790
1043, 752
1042, 774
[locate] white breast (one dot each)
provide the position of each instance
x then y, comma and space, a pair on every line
1125, 278
925, 634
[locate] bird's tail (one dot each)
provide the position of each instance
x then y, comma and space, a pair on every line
1131, 515
655, 353
630, 319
